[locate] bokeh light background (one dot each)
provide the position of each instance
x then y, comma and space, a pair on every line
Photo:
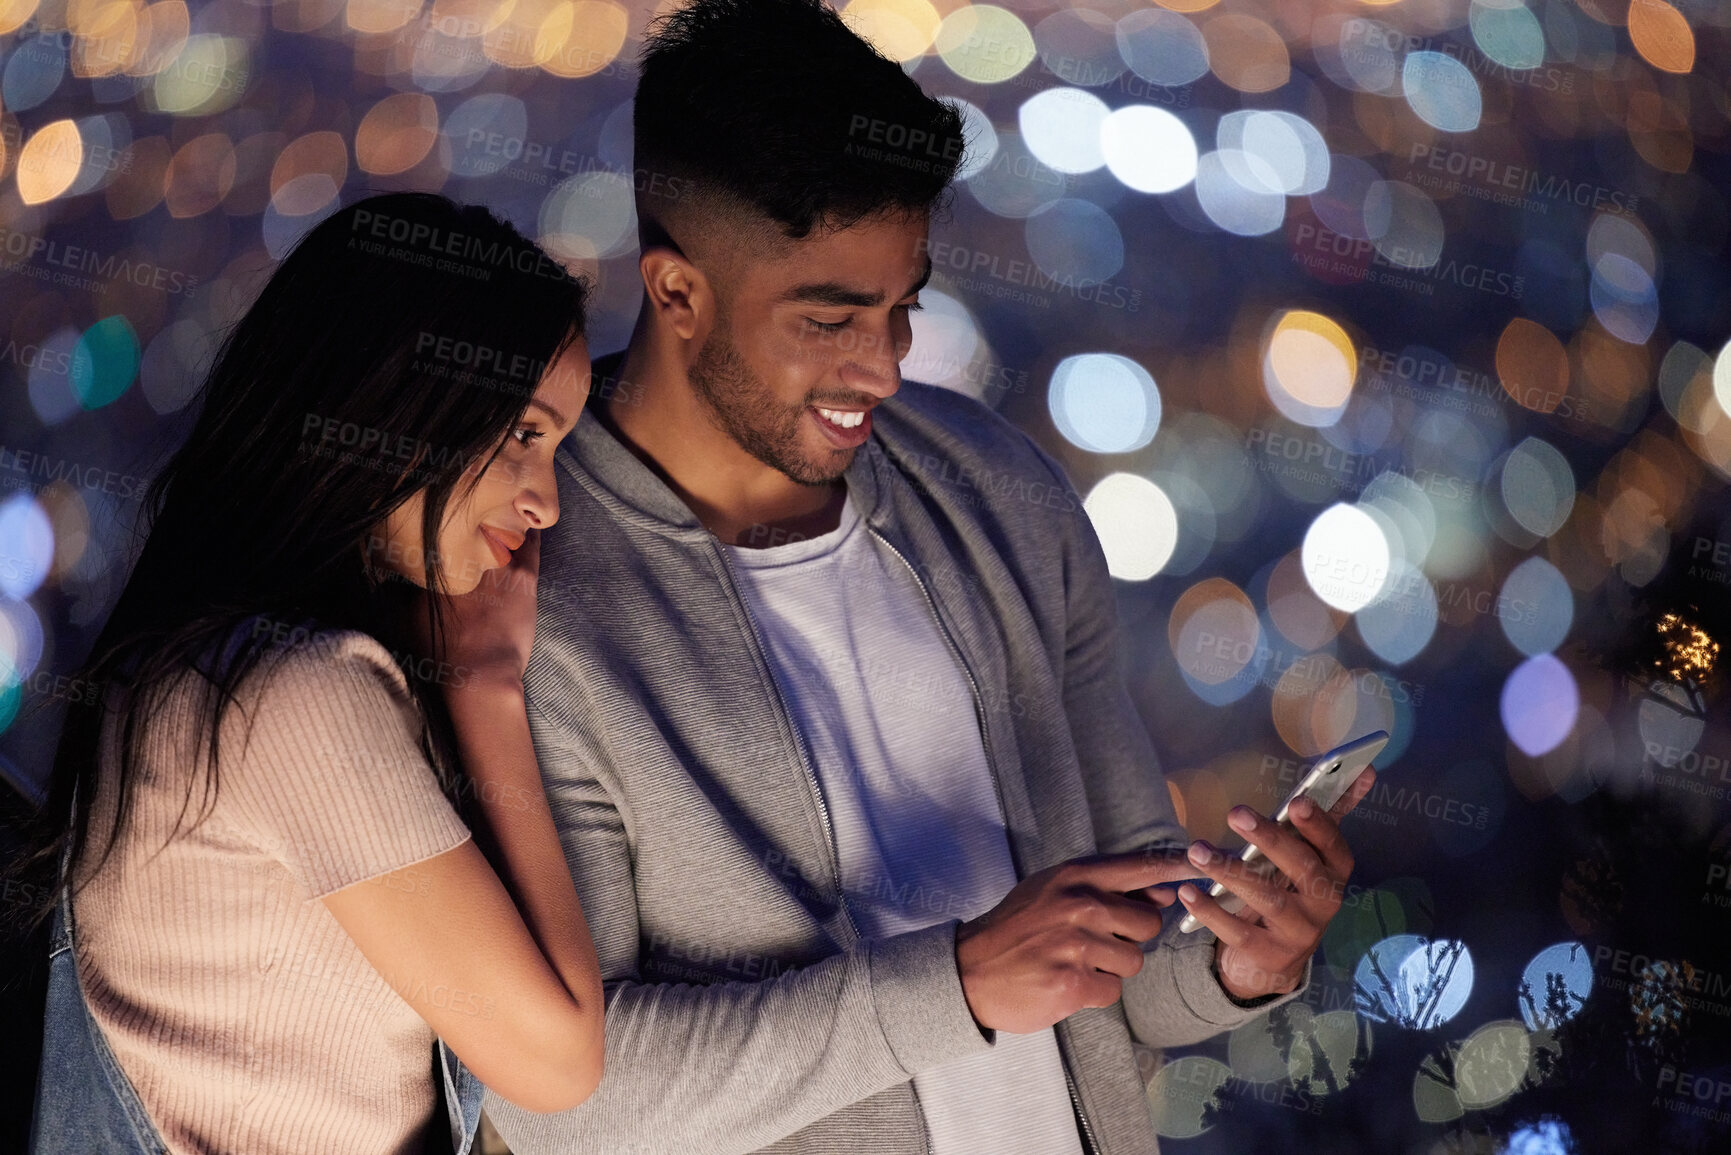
1386, 342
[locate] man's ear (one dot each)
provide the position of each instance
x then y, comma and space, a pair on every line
680, 296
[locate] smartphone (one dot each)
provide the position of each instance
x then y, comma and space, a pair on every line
1327, 781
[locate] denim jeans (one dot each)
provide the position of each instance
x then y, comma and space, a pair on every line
85, 1104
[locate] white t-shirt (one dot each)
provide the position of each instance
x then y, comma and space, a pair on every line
888, 717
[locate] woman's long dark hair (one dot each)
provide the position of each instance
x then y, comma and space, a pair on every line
396, 345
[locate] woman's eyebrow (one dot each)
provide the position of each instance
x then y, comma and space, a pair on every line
558, 418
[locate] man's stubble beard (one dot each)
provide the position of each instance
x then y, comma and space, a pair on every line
740, 405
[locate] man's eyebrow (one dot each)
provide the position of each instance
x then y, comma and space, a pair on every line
558, 418
837, 295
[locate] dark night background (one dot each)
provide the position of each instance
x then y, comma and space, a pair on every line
1386, 341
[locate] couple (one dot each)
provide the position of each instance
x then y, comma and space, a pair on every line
794, 739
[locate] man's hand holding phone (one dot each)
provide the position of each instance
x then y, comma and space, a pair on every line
1262, 949
1064, 938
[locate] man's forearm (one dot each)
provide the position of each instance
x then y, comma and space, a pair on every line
1177, 998
736, 1066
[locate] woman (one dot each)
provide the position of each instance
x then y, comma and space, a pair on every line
376, 435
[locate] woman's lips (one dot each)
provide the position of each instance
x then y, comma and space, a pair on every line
501, 551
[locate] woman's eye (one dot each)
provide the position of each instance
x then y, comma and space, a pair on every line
527, 436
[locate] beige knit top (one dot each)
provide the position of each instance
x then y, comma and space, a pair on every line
245, 1017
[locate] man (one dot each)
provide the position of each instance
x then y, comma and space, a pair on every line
825, 688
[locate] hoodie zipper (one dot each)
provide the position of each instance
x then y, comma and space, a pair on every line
798, 742
985, 739
1076, 1099
973, 688
816, 793
986, 742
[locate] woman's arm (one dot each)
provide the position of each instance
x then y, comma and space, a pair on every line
518, 833
515, 938
448, 939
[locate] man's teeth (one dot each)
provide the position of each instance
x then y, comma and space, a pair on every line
845, 420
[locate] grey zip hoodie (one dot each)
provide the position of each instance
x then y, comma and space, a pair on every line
745, 1012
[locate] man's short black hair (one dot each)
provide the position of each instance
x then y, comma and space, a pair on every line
780, 106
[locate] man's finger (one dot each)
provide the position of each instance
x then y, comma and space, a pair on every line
1287, 849
1264, 891
1132, 870
1322, 831
1113, 955
1127, 917
1355, 794
1101, 989
1228, 928
1161, 896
